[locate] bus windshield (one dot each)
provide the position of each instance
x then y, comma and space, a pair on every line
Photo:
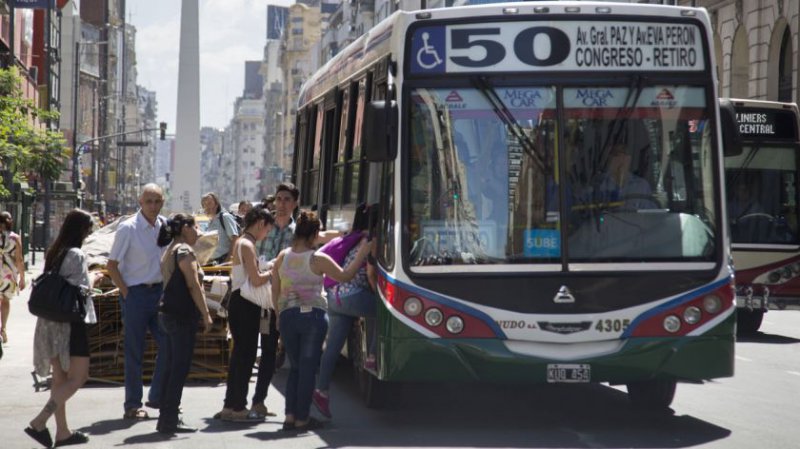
762, 202
490, 183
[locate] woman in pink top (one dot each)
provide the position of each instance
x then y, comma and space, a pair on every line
301, 309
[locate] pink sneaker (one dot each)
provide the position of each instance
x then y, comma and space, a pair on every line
322, 403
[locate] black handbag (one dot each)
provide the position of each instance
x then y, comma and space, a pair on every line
55, 299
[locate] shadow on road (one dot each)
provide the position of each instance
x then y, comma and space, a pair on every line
462, 415
762, 337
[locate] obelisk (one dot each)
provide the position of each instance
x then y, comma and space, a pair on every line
185, 192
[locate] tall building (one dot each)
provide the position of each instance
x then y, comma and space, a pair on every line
276, 21
253, 81
247, 139
144, 159
213, 165
299, 59
347, 21
115, 57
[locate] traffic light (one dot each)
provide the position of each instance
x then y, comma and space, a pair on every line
163, 128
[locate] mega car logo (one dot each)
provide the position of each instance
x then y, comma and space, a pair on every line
664, 99
564, 328
594, 97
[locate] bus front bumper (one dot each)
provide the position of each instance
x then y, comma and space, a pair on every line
414, 358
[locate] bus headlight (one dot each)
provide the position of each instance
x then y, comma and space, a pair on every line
712, 304
433, 317
454, 325
672, 324
412, 306
692, 315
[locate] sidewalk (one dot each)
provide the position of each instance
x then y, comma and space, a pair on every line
96, 409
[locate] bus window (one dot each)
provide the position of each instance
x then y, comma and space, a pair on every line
762, 204
341, 151
627, 172
308, 193
354, 160
476, 178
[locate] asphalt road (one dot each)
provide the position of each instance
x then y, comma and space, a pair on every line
757, 408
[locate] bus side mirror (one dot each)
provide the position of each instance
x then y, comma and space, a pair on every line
731, 140
379, 131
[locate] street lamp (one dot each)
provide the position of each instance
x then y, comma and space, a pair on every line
76, 176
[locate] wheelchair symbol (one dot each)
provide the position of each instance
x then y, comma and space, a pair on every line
427, 57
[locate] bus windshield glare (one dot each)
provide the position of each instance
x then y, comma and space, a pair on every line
490, 183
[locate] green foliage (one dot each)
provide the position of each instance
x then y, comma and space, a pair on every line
26, 145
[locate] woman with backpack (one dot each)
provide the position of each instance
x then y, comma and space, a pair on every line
347, 302
64, 347
224, 223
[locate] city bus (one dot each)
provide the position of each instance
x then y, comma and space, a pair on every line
762, 209
549, 184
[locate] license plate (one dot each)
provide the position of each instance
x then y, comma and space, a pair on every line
568, 373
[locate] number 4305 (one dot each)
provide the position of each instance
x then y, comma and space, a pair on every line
612, 325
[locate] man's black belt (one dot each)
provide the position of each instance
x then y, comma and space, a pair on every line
154, 284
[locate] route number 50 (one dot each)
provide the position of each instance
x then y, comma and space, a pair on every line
524, 50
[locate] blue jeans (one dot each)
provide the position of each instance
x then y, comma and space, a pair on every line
140, 313
177, 353
302, 334
342, 313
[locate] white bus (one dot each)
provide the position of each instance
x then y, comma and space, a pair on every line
762, 209
550, 190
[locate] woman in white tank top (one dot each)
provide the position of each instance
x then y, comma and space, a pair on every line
244, 316
302, 321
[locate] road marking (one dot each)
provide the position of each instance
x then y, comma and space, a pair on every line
744, 359
793, 372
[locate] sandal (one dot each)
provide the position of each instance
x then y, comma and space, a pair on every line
312, 424
136, 413
239, 416
41, 436
3, 335
76, 438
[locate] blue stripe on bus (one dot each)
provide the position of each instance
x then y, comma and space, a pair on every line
686, 297
449, 303
378, 39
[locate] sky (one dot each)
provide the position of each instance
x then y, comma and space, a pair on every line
231, 32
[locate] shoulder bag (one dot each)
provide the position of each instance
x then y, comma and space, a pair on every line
55, 299
259, 295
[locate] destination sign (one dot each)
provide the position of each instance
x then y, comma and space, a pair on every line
574, 45
766, 124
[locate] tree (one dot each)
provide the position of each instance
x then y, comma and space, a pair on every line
27, 147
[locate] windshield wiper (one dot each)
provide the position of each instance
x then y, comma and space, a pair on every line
745, 164
617, 123
615, 128
511, 122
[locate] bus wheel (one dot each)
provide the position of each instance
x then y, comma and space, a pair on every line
748, 321
652, 394
374, 391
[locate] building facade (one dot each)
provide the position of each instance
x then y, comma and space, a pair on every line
756, 45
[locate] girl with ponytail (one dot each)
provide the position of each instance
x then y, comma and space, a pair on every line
183, 304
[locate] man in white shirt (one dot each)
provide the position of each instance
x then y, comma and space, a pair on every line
134, 265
